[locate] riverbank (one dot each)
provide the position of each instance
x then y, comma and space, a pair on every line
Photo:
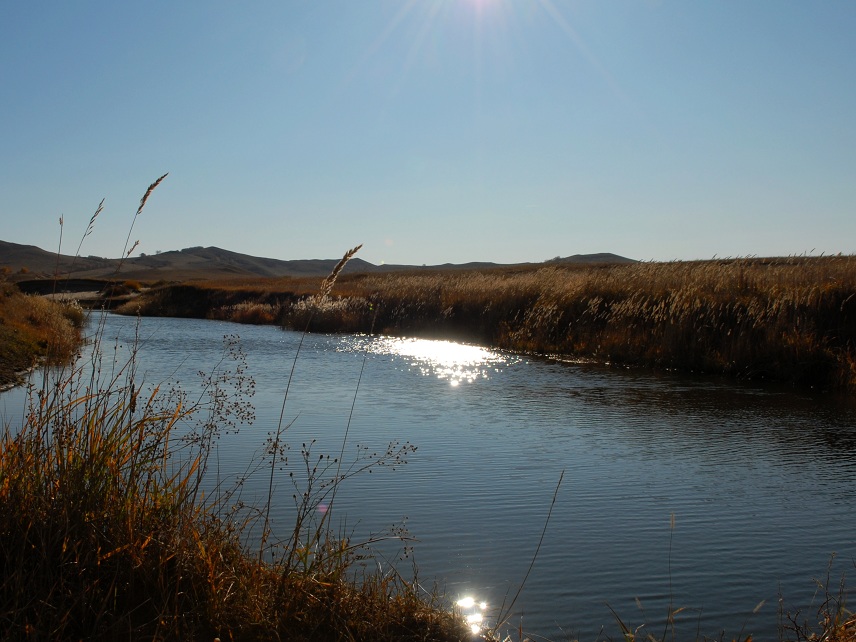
783, 319
212, 332
35, 330
109, 533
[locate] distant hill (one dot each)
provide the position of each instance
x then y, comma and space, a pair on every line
602, 257
24, 262
28, 262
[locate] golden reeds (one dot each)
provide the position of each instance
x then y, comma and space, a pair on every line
35, 330
330, 281
125, 251
792, 319
106, 534
148, 193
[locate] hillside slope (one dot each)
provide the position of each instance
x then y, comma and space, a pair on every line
25, 262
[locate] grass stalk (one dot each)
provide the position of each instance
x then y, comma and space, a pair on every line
505, 612
276, 444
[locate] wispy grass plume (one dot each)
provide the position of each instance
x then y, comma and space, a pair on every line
330, 281
125, 251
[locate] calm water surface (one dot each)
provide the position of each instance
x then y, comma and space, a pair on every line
761, 481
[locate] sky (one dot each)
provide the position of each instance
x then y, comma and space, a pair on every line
431, 131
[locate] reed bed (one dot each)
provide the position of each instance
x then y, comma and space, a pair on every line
786, 319
112, 530
790, 319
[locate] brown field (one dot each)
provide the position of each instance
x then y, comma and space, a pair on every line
787, 319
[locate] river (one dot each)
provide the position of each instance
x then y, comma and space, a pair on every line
710, 495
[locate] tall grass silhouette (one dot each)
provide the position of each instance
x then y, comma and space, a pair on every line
114, 528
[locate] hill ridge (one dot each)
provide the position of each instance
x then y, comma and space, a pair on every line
20, 261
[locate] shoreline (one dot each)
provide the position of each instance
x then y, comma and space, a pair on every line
789, 321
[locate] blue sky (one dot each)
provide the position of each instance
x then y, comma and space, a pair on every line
432, 131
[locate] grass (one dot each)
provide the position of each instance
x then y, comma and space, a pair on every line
788, 319
35, 330
111, 529
108, 533
829, 621
115, 528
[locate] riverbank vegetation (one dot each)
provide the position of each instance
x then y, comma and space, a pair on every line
35, 330
113, 527
111, 530
785, 319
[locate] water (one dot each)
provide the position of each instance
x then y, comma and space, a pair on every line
761, 481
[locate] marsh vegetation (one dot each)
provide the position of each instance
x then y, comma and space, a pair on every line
109, 533
787, 319
114, 528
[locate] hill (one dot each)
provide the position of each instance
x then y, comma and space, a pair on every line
28, 262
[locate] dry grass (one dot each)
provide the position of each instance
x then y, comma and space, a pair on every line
790, 319
830, 622
35, 330
107, 532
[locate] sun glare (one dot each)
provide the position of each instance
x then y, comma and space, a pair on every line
456, 363
473, 613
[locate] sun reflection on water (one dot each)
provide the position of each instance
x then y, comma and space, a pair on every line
473, 613
455, 362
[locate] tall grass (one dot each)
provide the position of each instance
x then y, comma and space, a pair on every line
108, 533
114, 527
827, 619
788, 319
791, 319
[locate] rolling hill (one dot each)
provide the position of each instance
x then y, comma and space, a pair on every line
28, 262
